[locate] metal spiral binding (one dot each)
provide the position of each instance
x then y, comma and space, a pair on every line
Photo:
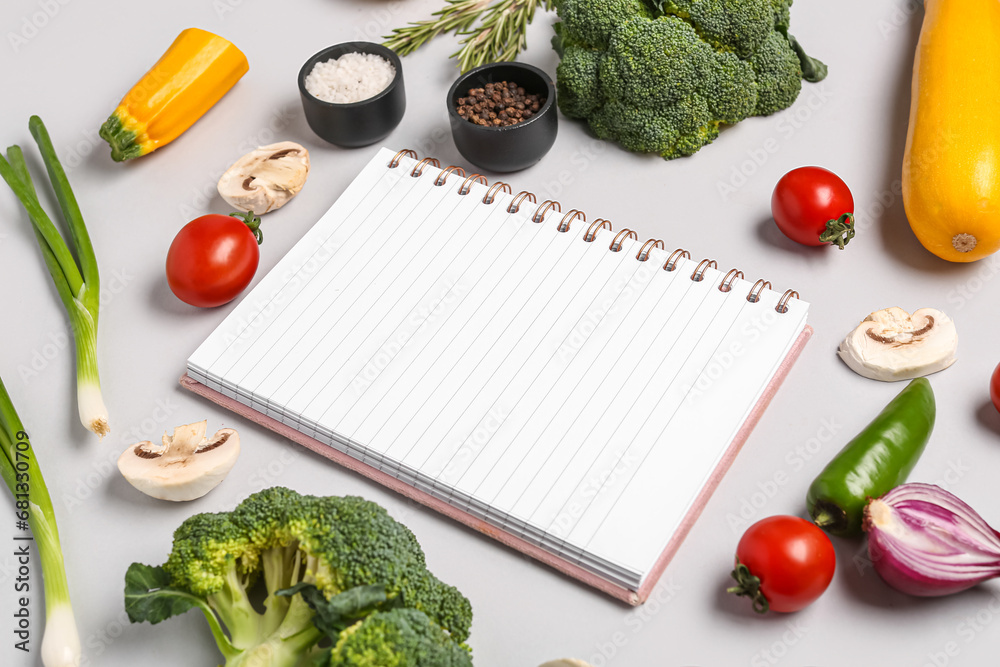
758, 287
646, 248
494, 189
515, 205
616, 242
394, 162
596, 225
418, 169
727, 283
675, 256
543, 208
703, 265
467, 185
782, 306
570, 216
443, 176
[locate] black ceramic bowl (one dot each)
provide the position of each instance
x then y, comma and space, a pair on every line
358, 123
512, 147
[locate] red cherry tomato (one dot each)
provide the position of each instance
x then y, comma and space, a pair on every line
783, 563
213, 258
995, 388
812, 206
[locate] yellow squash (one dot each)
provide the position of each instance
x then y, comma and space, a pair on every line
951, 169
195, 72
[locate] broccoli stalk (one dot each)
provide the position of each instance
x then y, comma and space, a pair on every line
293, 546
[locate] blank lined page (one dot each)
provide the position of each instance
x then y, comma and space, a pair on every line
571, 393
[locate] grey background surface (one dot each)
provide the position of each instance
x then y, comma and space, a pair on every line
76, 58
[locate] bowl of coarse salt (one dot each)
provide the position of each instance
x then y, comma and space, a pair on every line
352, 93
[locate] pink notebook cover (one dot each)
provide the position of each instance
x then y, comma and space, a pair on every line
632, 597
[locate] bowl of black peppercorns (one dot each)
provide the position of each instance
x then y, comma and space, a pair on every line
503, 115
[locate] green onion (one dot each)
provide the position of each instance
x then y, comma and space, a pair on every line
20, 472
77, 282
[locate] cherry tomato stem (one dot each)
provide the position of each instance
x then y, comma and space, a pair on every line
749, 586
783, 563
252, 222
814, 207
839, 232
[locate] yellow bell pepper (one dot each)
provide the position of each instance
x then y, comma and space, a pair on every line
195, 72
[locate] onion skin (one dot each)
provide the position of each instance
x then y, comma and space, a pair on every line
924, 541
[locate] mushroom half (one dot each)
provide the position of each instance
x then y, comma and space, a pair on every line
186, 466
891, 344
267, 178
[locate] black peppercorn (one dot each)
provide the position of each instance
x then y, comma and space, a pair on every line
498, 104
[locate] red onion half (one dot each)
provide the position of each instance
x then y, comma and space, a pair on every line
924, 541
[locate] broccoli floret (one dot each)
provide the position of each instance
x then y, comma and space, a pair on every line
577, 81
589, 22
398, 638
740, 26
779, 75
284, 540
662, 76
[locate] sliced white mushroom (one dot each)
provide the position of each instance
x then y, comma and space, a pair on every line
891, 344
186, 466
265, 179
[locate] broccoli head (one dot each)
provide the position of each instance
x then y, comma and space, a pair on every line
397, 638
662, 76
277, 541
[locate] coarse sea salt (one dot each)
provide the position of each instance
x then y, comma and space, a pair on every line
352, 77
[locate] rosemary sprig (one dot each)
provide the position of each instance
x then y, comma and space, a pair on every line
493, 30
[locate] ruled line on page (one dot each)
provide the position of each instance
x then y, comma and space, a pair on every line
482, 353
360, 182
319, 284
429, 262
499, 280
317, 327
392, 317
626, 415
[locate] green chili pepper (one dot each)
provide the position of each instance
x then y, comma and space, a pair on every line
877, 460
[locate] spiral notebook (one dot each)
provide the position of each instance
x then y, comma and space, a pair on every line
562, 386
